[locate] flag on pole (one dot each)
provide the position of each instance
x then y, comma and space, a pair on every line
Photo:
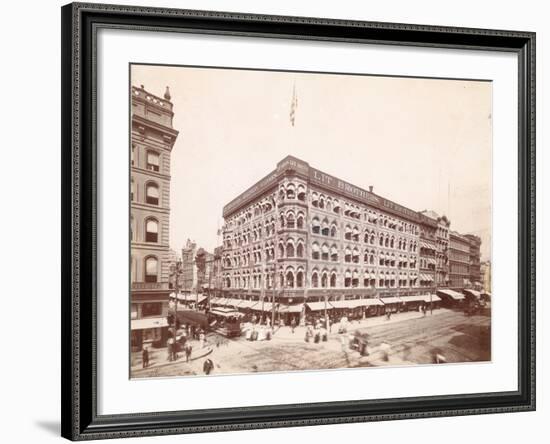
293, 105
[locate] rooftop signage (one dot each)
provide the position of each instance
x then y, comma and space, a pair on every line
326, 181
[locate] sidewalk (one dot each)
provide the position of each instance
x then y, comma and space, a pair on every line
158, 357
285, 333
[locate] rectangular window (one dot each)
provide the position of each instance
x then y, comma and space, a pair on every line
153, 161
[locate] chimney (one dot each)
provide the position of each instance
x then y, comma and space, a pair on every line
371, 188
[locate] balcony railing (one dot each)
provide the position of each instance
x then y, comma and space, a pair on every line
150, 286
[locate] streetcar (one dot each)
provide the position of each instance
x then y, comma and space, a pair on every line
224, 321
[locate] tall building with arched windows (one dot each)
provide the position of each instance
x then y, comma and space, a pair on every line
152, 140
300, 241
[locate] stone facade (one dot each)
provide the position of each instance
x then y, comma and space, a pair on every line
152, 140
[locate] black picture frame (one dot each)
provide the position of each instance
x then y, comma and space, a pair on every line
79, 173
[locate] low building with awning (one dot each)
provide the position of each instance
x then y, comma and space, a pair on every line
472, 293
148, 331
450, 297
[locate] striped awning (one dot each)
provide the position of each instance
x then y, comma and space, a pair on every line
427, 245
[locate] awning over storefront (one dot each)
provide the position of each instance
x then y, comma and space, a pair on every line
474, 293
452, 294
247, 304
370, 302
317, 306
426, 277
296, 308
432, 298
352, 303
262, 306
391, 300
417, 298
189, 297
143, 324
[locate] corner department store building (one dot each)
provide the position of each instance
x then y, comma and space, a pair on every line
308, 241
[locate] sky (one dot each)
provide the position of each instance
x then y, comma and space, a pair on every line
423, 143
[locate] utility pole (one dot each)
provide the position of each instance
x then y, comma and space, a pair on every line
176, 271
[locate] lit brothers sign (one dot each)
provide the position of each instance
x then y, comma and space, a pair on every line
320, 178
357, 193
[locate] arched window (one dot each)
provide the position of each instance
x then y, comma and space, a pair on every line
347, 255
324, 280
355, 256
300, 250
153, 161
290, 220
300, 279
315, 251
334, 253
315, 200
151, 269
315, 225
132, 189
290, 249
300, 222
355, 279
333, 280
333, 230
290, 194
315, 280
347, 234
325, 228
347, 279
355, 235
301, 194
151, 230
152, 193
324, 252
281, 250
290, 279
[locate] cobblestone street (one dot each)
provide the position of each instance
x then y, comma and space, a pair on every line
407, 339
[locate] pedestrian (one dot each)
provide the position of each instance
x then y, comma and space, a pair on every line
201, 339
145, 357
175, 351
169, 349
188, 350
293, 324
208, 366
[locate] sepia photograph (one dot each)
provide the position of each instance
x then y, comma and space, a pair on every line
296, 221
